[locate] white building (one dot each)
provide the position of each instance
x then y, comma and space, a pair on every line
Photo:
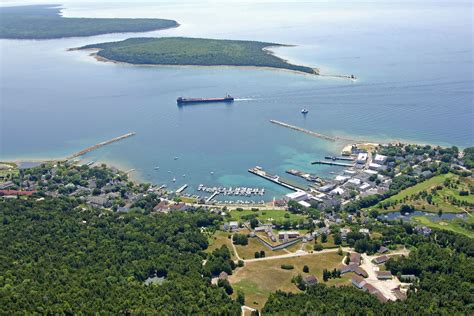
304, 204
233, 225
289, 234
337, 190
297, 196
342, 179
380, 159
362, 158
374, 166
364, 186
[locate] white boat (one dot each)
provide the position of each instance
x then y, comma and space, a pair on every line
174, 179
304, 111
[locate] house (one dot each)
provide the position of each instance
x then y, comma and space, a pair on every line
354, 182
310, 280
369, 288
423, 230
162, 206
380, 260
280, 203
384, 275
381, 297
380, 159
361, 158
223, 275
364, 231
401, 296
341, 179
365, 186
297, 196
260, 229
383, 249
233, 225
355, 258
289, 234
344, 231
361, 272
358, 281
347, 268
97, 201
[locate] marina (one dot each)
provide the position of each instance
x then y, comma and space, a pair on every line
230, 191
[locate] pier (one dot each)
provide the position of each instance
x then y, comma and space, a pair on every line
182, 188
209, 199
331, 163
339, 158
276, 179
299, 129
307, 176
96, 146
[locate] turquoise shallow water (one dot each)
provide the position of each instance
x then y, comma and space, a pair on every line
414, 63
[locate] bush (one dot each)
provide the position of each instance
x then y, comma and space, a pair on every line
318, 247
287, 266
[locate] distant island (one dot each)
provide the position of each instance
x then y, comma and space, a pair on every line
45, 22
194, 52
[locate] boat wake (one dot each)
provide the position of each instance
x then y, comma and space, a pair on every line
244, 99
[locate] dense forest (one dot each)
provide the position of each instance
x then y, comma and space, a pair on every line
45, 22
443, 265
193, 51
59, 258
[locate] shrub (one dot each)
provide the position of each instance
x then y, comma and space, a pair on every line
287, 266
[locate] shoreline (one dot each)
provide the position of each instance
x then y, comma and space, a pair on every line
93, 52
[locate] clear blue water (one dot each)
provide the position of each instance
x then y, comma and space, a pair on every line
414, 62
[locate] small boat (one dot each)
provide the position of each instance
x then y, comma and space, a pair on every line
175, 158
156, 168
304, 111
174, 179
212, 172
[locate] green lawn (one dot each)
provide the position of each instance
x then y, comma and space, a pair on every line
439, 200
268, 215
219, 239
195, 52
453, 225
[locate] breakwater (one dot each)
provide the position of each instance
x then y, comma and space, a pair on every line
101, 144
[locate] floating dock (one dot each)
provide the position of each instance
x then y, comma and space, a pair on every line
182, 188
96, 146
276, 179
331, 163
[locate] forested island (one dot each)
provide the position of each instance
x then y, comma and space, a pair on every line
194, 52
45, 22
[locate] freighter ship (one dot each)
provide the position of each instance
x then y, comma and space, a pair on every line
182, 101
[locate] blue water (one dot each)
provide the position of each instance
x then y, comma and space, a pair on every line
414, 62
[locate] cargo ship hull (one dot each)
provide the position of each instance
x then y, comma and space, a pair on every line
183, 101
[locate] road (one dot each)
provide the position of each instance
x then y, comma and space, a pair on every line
384, 286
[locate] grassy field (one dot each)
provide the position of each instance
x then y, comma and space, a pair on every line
439, 200
194, 51
258, 279
44, 22
453, 225
217, 240
266, 216
248, 251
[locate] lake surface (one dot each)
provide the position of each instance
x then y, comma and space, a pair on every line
414, 62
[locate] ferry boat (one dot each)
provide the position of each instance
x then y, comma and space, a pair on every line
182, 101
304, 111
